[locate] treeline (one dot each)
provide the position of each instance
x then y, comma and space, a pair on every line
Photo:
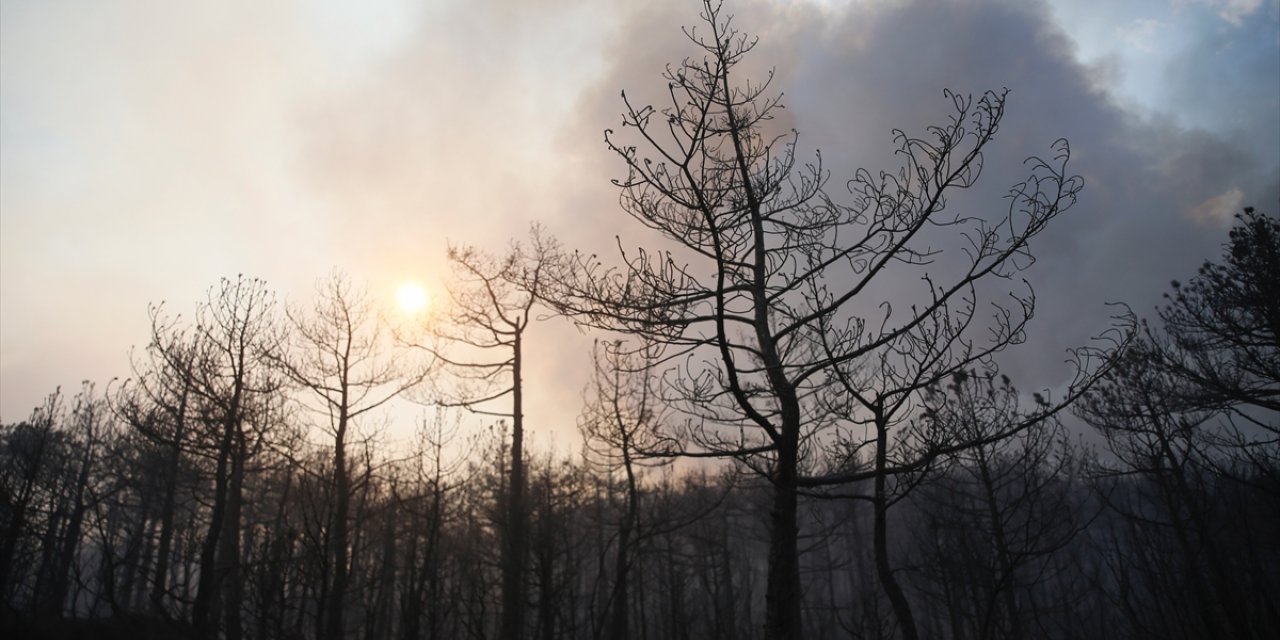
797, 427
116, 504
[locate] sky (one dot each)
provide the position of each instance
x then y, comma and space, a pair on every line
148, 148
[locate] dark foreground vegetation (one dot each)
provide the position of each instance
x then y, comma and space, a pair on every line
796, 428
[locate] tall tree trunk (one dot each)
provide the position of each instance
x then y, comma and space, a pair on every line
13, 535
381, 609
432, 580
207, 590
782, 595
41, 428
274, 598
233, 582
620, 601
1003, 558
140, 553
411, 592
159, 584
513, 549
545, 554
55, 593
898, 599
334, 619
9, 545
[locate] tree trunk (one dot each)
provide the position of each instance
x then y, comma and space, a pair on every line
159, 584
55, 594
381, 609
206, 592
1000, 539
432, 580
335, 602
230, 542
620, 601
782, 595
901, 608
513, 549
411, 591
545, 554
274, 598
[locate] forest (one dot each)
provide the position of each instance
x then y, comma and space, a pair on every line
797, 425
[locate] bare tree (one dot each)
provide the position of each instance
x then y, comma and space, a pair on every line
997, 515
1171, 450
339, 359
233, 336
1218, 340
431, 479
1221, 330
86, 427
27, 450
766, 308
1190, 417
158, 403
618, 429
491, 305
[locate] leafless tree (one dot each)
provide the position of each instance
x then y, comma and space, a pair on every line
431, 480
479, 339
27, 450
1221, 330
769, 309
87, 427
158, 403
1190, 418
997, 515
1218, 339
618, 429
234, 335
341, 358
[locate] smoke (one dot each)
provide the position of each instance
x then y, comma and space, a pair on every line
149, 148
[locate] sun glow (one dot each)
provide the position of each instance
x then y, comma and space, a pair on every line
412, 298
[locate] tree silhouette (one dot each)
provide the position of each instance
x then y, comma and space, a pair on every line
996, 515
491, 303
618, 429
234, 336
1220, 332
341, 361
766, 308
28, 450
1190, 410
158, 402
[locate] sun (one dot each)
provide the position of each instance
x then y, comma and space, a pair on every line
412, 298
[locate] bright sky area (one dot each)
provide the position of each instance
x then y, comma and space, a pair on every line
149, 148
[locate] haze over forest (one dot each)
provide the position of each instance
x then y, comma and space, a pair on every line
861, 319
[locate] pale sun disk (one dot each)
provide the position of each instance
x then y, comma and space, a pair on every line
412, 297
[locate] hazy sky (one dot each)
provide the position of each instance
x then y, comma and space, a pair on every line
148, 148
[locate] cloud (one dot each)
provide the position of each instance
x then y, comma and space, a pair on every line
1143, 33
1232, 11
1219, 208
151, 147
850, 76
